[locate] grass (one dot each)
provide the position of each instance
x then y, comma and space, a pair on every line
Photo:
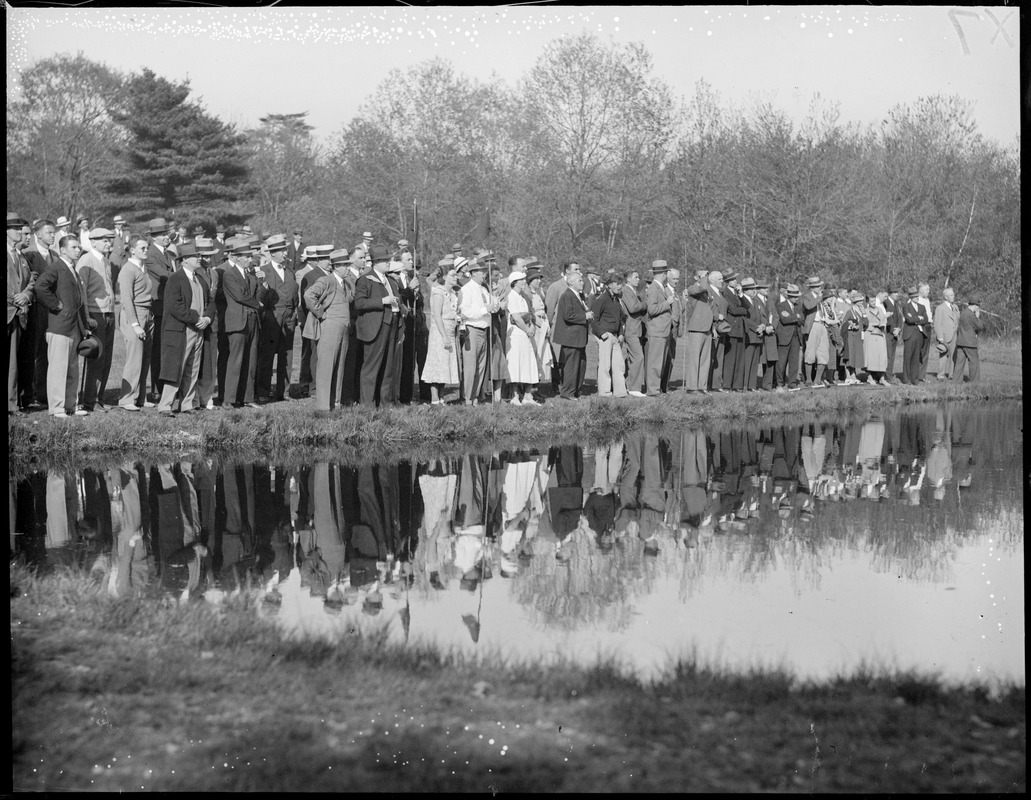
129, 694
357, 432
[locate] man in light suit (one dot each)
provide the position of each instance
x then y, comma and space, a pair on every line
329, 311
317, 267
658, 324
278, 319
946, 326
60, 291
19, 299
242, 288
698, 322
159, 266
98, 283
377, 305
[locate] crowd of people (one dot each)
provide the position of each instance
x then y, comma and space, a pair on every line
209, 322
452, 523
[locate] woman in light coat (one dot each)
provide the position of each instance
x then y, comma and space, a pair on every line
520, 355
875, 346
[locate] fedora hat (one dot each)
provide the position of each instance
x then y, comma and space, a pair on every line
913, 291
186, 250
446, 263
730, 275
533, 273
319, 252
62, 221
206, 247
856, 297
814, 282
157, 225
379, 253
15, 221
239, 245
339, 257
277, 242
456, 248
119, 219
748, 283
198, 230
792, 291
90, 347
81, 218
658, 265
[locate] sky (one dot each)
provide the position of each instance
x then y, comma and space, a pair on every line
245, 63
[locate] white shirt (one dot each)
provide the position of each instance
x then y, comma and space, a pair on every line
279, 270
472, 304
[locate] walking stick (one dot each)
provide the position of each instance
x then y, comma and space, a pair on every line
490, 333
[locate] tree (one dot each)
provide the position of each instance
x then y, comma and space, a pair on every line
178, 159
283, 162
60, 136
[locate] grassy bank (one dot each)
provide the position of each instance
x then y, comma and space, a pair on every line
279, 428
122, 695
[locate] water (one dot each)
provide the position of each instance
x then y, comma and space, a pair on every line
894, 541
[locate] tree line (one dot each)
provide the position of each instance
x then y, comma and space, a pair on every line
590, 155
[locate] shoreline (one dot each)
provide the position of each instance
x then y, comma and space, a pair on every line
279, 428
177, 689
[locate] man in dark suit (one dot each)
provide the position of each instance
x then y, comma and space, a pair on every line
19, 301
119, 246
892, 330
790, 319
60, 292
159, 267
278, 319
572, 316
189, 312
754, 326
318, 263
377, 305
241, 285
720, 326
916, 328
32, 357
737, 312
293, 252
970, 325
219, 245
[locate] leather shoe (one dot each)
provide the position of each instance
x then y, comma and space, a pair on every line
166, 413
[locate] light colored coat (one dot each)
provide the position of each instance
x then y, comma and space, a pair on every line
946, 322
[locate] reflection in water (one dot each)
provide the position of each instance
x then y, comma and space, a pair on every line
637, 548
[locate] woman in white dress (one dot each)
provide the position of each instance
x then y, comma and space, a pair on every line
441, 368
521, 356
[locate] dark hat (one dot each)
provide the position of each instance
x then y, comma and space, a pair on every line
476, 266
198, 230
659, 265
90, 347
792, 291
157, 225
973, 300
730, 275
340, 257
298, 231
239, 245
748, 283
913, 291
486, 255
761, 284
533, 273
814, 282
186, 250
456, 248
220, 228
379, 253
14, 221
613, 277
80, 217
531, 263
856, 297
892, 288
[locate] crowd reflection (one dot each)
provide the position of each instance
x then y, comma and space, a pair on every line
576, 530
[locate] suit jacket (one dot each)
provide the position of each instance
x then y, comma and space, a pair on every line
970, 325
91, 269
946, 322
737, 312
810, 303
570, 321
309, 277
60, 292
368, 305
327, 298
159, 267
916, 320
636, 311
293, 256
18, 276
659, 321
551, 298
789, 321
756, 317
608, 315
720, 306
698, 316
179, 315
894, 311
119, 252
280, 299
242, 294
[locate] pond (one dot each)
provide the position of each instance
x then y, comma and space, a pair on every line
893, 541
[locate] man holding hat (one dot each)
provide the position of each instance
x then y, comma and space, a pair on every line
329, 322
278, 319
810, 304
189, 311
19, 300
789, 326
60, 292
916, 328
658, 325
317, 266
159, 266
241, 285
378, 308
119, 245
98, 286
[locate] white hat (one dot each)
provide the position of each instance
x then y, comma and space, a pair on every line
516, 276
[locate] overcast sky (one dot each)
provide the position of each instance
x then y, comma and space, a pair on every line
244, 64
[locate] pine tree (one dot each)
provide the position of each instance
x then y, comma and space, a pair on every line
179, 160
